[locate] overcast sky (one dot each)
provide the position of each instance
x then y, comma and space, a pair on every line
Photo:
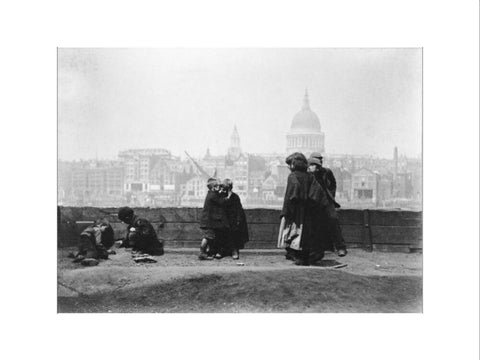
368, 100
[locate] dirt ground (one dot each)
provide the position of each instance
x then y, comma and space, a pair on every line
261, 281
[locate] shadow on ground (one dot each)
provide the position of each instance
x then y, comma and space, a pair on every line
309, 290
360, 282
327, 263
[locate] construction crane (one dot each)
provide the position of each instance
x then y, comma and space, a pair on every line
202, 171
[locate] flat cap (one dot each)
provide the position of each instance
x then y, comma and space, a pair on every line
317, 155
314, 160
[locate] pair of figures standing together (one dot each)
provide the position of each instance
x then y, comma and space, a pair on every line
310, 224
223, 222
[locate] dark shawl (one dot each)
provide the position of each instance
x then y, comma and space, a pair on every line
326, 179
322, 212
237, 221
214, 215
302, 197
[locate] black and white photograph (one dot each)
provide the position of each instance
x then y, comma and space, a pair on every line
244, 180
240, 180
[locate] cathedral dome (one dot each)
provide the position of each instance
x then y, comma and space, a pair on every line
305, 133
305, 121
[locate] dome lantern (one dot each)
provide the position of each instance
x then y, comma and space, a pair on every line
306, 102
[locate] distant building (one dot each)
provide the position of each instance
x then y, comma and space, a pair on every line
153, 177
269, 187
281, 170
415, 167
195, 191
351, 163
305, 134
237, 171
234, 165
255, 181
343, 177
142, 172
94, 183
385, 188
402, 186
364, 186
234, 150
212, 164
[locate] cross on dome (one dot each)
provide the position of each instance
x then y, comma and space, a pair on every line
306, 102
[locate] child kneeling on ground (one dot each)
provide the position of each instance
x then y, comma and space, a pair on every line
95, 242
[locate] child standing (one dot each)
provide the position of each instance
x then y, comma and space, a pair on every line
214, 221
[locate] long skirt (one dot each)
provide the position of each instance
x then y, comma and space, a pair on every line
300, 242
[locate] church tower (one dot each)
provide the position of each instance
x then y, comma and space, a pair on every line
234, 151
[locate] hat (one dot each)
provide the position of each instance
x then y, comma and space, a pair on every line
297, 161
315, 161
316, 155
125, 212
295, 156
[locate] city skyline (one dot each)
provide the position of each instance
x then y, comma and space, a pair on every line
153, 177
109, 100
184, 157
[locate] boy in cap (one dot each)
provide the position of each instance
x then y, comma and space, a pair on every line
213, 221
328, 215
141, 235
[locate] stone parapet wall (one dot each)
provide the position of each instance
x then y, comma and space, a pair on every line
382, 230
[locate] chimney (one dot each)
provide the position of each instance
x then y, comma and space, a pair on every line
395, 160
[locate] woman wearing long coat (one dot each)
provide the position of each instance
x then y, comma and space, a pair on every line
303, 196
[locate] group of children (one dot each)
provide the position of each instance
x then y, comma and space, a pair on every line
309, 225
223, 223
97, 240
